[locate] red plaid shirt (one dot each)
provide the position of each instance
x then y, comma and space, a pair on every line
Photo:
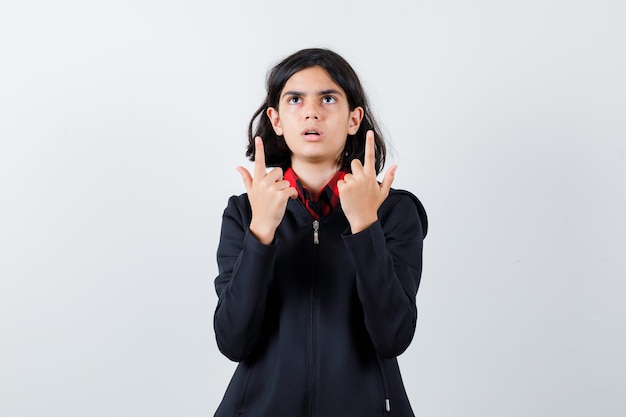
327, 198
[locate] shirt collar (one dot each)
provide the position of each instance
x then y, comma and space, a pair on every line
328, 196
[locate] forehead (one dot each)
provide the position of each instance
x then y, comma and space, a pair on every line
311, 80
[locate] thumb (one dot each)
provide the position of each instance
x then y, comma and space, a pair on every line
385, 186
246, 177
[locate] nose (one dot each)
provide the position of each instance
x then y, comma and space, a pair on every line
311, 112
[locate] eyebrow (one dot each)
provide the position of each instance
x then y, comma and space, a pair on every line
321, 93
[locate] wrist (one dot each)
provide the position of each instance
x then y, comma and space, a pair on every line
361, 224
264, 235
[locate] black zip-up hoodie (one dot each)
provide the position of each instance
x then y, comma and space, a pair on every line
317, 318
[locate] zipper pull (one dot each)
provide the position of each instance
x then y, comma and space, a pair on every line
316, 229
387, 405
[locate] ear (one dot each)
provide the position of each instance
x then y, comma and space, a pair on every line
274, 117
354, 121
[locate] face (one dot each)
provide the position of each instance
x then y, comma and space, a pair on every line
314, 117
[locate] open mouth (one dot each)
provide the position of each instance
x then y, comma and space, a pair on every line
311, 132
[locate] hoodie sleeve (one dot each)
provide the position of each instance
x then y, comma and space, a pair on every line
388, 259
245, 268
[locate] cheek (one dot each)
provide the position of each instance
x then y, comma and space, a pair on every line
289, 121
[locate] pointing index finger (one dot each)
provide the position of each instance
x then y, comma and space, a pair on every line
259, 158
370, 152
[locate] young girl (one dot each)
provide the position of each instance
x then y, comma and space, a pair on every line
319, 264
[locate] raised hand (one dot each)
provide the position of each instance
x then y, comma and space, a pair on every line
360, 193
268, 194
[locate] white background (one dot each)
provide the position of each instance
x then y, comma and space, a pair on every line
121, 123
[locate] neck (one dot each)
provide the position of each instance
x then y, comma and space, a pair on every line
314, 176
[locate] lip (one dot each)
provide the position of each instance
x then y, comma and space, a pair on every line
306, 133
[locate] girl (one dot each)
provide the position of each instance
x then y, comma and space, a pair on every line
319, 264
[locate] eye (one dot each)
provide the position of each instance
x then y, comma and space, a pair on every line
294, 100
329, 100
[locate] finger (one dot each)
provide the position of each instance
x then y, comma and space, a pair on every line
246, 177
291, 192
385, 186
369, 162
283, 184
356, 167
275, 174
259, 158
340, 186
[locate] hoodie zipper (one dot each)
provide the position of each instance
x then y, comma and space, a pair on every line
311, 359
316, 232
